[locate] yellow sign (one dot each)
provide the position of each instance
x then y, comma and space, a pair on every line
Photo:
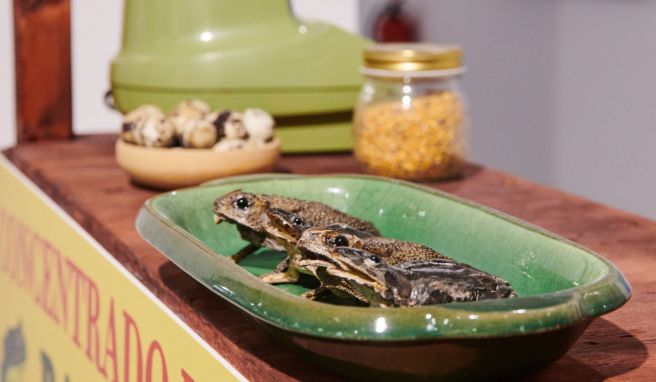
71, 313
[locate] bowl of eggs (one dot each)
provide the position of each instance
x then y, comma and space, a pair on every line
192, 144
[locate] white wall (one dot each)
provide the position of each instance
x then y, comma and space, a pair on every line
509, 52
605, 125
96, 33
343, 13
7, 99
561, 90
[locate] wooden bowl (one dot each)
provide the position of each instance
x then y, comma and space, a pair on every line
176, 167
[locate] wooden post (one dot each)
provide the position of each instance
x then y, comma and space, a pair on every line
42, 38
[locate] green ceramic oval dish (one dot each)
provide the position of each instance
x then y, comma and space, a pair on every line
561, 286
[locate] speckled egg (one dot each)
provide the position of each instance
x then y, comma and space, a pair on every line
259, 125
229, 124
147, 126
155, 132
200, 135
187, 113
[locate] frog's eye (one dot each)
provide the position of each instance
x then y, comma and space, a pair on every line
341, 241
375, 259
242, 203
297, 221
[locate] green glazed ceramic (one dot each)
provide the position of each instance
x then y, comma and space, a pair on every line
561, 285
234, 54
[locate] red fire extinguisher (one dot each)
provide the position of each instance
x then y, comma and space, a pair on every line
393, 24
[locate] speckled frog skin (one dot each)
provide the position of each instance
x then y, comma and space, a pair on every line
317, 245
287, 229
249, 212
322, 240
419, 282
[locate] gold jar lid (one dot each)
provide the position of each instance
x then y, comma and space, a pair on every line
413, 57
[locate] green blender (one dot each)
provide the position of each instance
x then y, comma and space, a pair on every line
240, 54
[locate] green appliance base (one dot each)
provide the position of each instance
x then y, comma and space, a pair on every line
325, 137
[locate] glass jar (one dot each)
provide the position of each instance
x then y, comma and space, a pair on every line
411, 120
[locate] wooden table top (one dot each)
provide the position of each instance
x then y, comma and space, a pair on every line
83, 178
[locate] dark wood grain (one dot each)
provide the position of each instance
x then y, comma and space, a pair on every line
82, 177
42, 35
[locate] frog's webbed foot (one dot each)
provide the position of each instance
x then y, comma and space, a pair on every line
315, 293
278, 277
283, 266
247, 250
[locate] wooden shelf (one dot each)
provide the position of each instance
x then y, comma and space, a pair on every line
83, 178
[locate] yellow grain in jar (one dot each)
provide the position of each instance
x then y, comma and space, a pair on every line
411, 120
